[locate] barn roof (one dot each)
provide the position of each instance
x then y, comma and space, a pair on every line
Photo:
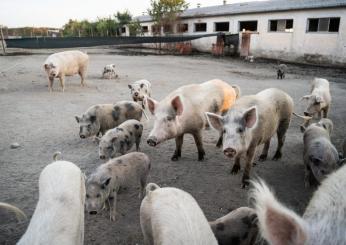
255, 7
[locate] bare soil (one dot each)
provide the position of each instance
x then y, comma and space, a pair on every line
43, 123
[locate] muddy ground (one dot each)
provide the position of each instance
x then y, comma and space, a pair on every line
43, 123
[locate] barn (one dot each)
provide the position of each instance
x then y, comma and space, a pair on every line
312, 31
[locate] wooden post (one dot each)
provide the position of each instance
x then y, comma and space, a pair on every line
2, 41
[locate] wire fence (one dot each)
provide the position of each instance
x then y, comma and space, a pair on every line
71, 42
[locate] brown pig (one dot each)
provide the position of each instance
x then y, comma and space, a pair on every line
182, 112
252, 121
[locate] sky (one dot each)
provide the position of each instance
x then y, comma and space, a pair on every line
55, 13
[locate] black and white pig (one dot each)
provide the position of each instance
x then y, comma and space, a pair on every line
120, 140
323, 221
103, 184
140, 90
320, 156
67, 63
237, 227
252, 121
102, 117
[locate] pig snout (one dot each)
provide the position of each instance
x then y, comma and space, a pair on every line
82, 136
306, 113
136, 94
93, 212
229, 152
102, 157
152, 141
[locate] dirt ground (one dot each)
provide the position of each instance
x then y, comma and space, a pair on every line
43, 123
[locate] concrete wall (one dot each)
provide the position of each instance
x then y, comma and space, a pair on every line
298, 45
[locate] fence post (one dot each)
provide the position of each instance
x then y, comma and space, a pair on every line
2, 41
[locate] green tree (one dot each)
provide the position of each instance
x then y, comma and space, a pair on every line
166, 12
124, 18
135, 28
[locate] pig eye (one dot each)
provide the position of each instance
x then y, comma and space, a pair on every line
87, 196
224, 131
240, 130
89, 126
110, 147
169, 118
98, 195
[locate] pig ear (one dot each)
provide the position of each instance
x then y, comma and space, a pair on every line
77, 119
278, 224
214, 120
250, 117
97, 139
152, 104
130, 86
45, 66
177, 105
113, 139
105, 182
142, 85
318, 99
113, 66
305, 97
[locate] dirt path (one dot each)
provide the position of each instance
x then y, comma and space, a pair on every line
43, 123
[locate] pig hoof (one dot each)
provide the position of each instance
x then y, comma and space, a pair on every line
113, 217
175, 158
262, 157
277, 156
235, 169
201, 156
245, 182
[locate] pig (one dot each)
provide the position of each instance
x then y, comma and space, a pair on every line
67, 63
120, 140
182, 112
20, 215
59, 214
281, 70
140, 90
109, 72
172, 216
237, 227
121, 172
320, 156
102, 117
323, 221
252, 121
319, 99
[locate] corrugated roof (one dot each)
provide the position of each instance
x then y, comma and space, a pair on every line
255, 7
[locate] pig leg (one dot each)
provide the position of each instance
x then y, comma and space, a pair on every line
113, 208
50, 84
325, 111
219, 142
138, 140
62, 82
250, 154
82, 76
307, 176
143, 182
236, 166
178, 144
281, 132
264, 154
198, 140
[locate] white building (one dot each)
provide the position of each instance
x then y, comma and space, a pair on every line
294, 30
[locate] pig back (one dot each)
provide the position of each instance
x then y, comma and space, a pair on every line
70, 62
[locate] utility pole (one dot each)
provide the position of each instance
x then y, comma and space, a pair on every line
2, 41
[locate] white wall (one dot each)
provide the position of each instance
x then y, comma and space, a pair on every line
298, 45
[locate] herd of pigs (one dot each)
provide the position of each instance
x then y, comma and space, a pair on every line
172, 216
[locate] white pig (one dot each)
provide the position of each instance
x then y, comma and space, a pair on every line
140, 90
252, 121
323, 221
182, 112
172, 216
319, 99
67, 63
59, 214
